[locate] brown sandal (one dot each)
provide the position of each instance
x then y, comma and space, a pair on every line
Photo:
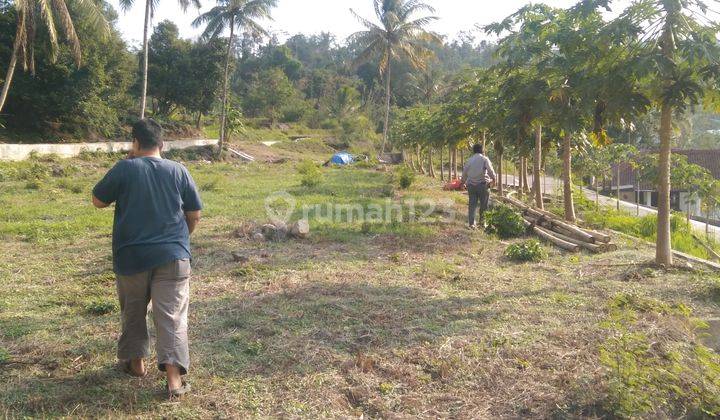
126, 366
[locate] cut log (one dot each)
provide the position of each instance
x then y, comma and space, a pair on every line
599, 236
585, 245
548, 236
300, 229
598, 242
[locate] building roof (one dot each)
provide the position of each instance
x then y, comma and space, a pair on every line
708, 159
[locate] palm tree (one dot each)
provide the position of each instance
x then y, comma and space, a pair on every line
149, 11
399, 34
53, 15
233, 14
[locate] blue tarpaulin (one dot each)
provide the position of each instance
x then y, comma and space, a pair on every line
342, 158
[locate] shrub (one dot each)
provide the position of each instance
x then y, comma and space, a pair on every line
100, 307
69, 185
212, 184
678, 378
33, 185
530, 250
504, 222
311, 175
405, 177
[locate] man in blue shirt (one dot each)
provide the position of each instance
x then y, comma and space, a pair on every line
157, 207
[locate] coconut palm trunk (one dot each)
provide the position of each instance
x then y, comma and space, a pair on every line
387, 103
143, 93
567, 179
537, 166
19, 34
223, 111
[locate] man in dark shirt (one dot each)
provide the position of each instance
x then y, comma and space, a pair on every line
157, 207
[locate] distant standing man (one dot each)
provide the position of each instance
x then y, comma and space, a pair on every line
157, 207
478, 176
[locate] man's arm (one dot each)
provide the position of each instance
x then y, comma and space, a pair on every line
465, 172
490, 170
192, 218
99, 203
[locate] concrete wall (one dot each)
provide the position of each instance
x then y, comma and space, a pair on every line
22, 151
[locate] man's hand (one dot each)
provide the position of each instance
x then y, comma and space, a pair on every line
192, 218
99, 204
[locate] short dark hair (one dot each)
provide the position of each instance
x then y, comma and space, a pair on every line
477, 148
148, 133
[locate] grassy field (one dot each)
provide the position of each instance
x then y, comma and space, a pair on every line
416, 318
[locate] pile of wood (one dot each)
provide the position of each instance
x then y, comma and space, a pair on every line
559, 232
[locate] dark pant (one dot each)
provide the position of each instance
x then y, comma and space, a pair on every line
168, 287
478, 194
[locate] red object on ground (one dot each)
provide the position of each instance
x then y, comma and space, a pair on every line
454, 185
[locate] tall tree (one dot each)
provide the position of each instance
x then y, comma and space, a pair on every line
522, 52
399, 34
150, 6
52, 15
241, 15
682, 57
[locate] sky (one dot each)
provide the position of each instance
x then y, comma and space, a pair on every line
315, 16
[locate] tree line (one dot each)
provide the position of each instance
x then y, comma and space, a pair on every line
572, 79
92, 85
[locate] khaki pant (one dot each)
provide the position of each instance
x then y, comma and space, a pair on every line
478, 196
168, 287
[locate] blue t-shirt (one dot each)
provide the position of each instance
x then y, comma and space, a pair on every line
150, 195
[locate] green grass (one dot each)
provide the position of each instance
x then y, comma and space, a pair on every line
398, 319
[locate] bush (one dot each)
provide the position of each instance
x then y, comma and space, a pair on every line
504, 222
100, 307
33, 185
311, 175
211, 184
405, 177
529, 250
69, 185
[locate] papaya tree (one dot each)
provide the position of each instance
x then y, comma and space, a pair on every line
680, 50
